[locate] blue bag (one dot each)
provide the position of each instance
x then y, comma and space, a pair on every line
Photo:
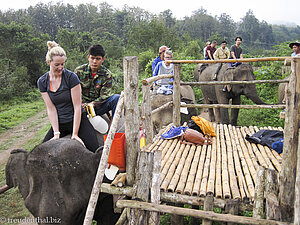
278, 146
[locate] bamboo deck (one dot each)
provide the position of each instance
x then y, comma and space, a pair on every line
226, 169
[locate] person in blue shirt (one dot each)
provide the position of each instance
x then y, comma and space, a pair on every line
160, 57
296, 48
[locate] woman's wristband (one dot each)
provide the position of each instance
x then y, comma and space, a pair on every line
55, 133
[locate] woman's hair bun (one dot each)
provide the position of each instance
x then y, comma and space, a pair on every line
52, 44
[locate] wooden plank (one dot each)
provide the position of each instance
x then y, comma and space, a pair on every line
155, 187
196, 213
146, 113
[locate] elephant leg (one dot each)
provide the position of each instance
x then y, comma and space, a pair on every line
218, 115
235, 112
210, 111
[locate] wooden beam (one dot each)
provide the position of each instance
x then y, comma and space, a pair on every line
176, 95
234, 106
146, 109
290, 145
234, 82
297, 186
230, 60
164, 106
195, 213
149, 80
132, 121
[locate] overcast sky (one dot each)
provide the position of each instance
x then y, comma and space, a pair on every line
272, 11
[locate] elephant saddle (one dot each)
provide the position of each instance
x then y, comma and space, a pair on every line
191, 136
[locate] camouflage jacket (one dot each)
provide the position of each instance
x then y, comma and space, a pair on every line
97, 88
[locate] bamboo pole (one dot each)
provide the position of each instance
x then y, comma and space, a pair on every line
186, 169
175, 170
234, 106
262, 149
256, 151
149, 80
174, 143
212, 168
176, 95
198, 178
164, 147
191, 178
225, 173
163, 130
247, 156
234, 82
205, 172
146, 110
247, 180
164, 175
230, 60
218, 166
131, 111
196, 213
250, 148
232, 175
103, 164
258, 208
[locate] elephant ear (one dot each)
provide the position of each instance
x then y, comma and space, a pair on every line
228, 76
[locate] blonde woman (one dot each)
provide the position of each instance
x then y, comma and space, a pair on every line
61, 92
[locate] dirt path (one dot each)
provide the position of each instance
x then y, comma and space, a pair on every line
20, 134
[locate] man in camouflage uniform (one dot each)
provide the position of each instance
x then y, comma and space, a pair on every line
96, 82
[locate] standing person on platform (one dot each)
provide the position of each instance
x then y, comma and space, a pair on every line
61, 92
160, 57
236, 52
96, 82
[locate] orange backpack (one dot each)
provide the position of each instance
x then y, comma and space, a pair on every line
205, 125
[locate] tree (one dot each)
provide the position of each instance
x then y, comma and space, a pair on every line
249, 28
227, 28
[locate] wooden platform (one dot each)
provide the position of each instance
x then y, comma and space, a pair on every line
226, 169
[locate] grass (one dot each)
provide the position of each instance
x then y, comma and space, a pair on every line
17, 110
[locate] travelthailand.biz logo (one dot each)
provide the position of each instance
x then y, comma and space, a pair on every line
33, 220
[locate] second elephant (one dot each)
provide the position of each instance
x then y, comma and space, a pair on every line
214, 94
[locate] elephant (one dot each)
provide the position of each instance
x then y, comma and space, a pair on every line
165, 116
55, 180
215, 94
281, 91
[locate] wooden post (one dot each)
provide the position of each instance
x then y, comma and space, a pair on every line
142, 191
132, 121
297, 186
272, 203
176, 95
103, 164
146, 108
290, 145
258, 208
232, 207
208, 206
155, 187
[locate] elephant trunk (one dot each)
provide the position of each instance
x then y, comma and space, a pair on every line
253, 96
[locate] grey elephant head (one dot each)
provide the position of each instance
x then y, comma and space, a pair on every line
56, 179
165, 116
243, 72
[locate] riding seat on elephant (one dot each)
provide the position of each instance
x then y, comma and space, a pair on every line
215, 94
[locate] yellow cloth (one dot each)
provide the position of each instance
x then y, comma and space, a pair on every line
221, 53
205, 125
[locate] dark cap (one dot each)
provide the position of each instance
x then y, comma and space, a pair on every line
294, 43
